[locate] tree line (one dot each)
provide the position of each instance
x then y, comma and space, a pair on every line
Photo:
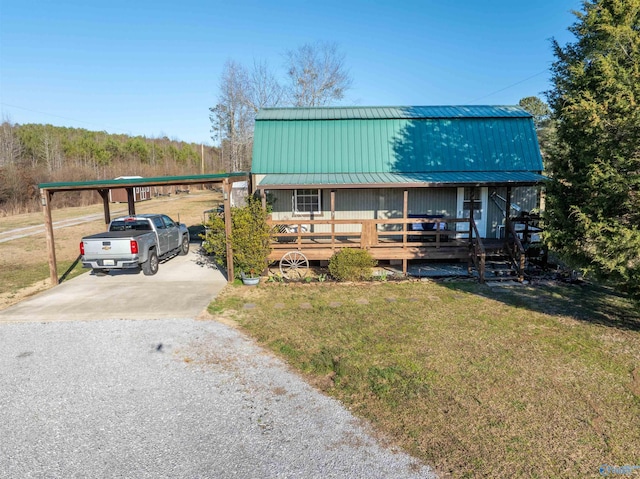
36, 153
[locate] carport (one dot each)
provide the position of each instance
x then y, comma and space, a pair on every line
47, 191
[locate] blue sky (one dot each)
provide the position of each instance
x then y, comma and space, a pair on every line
153, 68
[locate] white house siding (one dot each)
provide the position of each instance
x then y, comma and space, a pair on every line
370, 203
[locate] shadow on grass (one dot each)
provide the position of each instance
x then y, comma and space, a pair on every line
585, 302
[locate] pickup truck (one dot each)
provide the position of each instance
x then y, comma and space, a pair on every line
134, 242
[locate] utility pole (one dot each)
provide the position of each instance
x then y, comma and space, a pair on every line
202, 159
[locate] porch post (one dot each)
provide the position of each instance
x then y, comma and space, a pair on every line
45, 197
226, 192
507, 223
471, 220
333, 217
405, 213
263, 197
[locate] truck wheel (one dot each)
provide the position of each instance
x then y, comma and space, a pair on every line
150, 267
184, 247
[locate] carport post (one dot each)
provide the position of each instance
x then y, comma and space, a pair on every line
226, 192
131, 201
45, 197
105, 203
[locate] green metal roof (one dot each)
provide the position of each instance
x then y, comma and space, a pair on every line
391, 112
335, 140
337, 180
150, 181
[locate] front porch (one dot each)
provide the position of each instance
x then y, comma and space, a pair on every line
399, 239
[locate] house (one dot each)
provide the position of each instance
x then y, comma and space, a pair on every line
406, 183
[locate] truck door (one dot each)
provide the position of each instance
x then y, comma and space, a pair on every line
173, 233
162, 235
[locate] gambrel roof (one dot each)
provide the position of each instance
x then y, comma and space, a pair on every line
391, 145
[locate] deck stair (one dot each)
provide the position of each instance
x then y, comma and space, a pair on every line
499, 267
498, 264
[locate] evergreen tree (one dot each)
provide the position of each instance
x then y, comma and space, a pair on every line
545, 125
593, 208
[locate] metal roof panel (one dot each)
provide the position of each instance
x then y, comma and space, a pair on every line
396, 145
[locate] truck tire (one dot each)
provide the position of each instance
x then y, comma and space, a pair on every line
184, 246
150, 267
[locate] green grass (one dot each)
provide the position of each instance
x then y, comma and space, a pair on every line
21, 276
534, 382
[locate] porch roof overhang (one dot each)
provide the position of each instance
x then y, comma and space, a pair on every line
400, 180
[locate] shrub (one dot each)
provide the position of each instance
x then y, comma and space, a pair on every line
351, 264
250, 238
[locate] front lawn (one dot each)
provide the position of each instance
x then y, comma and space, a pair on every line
519, 382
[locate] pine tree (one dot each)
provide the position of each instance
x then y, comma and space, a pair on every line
593, 208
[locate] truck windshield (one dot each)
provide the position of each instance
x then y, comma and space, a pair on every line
142, 225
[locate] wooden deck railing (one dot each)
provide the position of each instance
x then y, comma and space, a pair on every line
516, 251
477, 251
392, 232
393, 238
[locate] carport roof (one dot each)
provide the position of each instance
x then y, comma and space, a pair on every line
151, 181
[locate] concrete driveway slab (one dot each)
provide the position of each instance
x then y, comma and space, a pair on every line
182, 288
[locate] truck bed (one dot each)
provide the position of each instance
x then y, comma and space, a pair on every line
117, 234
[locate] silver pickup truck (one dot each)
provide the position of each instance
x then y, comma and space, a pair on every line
135, 242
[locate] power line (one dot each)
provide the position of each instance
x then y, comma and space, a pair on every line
507, 87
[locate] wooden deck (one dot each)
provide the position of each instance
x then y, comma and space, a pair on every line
394, 239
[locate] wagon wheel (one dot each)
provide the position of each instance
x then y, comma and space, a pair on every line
294, 265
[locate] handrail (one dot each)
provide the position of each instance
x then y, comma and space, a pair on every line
479, 255
519, 258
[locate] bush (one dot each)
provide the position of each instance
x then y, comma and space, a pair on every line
250, 239
351, 264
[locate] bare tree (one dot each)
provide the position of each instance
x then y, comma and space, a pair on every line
263, 89
10, 147
317, 74
232, 117
318, 77
242, 95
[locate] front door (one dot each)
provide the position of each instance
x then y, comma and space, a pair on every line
479, 205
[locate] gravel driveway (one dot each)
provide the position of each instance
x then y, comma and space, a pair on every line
170, 398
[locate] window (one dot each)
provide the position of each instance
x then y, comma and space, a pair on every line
158, 222
306, 202
168, 221
476, 203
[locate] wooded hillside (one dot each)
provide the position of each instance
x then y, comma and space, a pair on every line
34, 153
